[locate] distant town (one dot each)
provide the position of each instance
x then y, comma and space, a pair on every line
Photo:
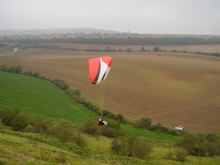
23, 38
61, 33
81, 32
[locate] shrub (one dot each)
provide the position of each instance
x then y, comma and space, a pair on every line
29, 128
141, 149
90, 128
19, 122
63, 131
181, 154
212, 148
79, 139
105, 112
130, 146
8, 116
64, 134
40, 125
119, 117
60, 83
114, 124
116, 146
143, 123
169, 155
200, 144
212, 137
109, 132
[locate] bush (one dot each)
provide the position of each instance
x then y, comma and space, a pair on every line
90, 127
143, 123
130, 146
19, 122
212, 148
79, 139
141, 149
8, 116
181, 154
200, 144
40, 125
64, 134
116, 146
169, 155
109, 132
60, 83
63, 131
114, 124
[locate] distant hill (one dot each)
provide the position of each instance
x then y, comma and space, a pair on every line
55, 31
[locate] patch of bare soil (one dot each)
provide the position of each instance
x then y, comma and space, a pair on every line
172, 88
3, 51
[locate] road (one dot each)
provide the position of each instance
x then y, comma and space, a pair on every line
15, 50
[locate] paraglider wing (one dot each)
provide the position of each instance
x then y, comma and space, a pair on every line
99, 69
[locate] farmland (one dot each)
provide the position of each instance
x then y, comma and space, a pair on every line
40, 98
188, 48
173, 88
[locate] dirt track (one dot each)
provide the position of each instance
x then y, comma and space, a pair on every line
171, 89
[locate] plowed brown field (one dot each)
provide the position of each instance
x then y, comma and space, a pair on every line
171, 89
3, 51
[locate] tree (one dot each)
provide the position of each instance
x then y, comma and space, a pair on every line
107, 49
129, 50
19, 69
143, 49
143, 123
156, 49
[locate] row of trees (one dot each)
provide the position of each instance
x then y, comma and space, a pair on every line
12, 69
108, 49
121, 40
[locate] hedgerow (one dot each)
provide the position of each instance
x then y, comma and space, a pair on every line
200, 144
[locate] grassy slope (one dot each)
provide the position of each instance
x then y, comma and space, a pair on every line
175, 83
40, 98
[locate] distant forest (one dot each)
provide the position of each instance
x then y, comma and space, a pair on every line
118, 40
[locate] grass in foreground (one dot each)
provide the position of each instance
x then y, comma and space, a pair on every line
27, 148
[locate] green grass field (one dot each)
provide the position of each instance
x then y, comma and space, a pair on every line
40, 98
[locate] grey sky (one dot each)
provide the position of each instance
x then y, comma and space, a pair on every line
136, 16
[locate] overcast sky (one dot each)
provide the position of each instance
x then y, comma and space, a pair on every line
136, 16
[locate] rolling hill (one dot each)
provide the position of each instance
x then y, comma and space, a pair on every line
175, 88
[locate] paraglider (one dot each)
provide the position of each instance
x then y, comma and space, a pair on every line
99, 69
100, 122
